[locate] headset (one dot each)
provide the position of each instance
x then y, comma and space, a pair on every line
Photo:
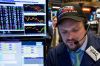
87, 27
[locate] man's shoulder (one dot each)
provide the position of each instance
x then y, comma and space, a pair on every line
94, 37
94, 40
97, 38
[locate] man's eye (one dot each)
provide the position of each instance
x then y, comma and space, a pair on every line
76, 30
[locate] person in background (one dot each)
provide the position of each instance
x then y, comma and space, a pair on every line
78, 46
53, 32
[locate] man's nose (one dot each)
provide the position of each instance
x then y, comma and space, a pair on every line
70, 35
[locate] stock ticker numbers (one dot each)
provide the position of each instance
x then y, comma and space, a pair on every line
34, 7
34, 19
11, 18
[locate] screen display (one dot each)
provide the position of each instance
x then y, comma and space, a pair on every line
21, 53
22, 18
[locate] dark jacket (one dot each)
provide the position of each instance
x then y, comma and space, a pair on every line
59, 55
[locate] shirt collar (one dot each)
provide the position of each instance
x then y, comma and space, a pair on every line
84, 44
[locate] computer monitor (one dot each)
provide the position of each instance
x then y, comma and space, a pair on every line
20, 18
22, 53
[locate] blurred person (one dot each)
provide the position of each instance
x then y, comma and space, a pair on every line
79, 47
53, 32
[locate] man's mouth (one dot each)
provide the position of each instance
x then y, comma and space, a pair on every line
70, 41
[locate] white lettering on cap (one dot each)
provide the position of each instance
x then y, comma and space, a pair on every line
68, 9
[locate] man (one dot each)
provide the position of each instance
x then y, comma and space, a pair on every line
79, 48
53, 32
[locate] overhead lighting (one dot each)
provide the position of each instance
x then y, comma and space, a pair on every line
86, 9
55, 7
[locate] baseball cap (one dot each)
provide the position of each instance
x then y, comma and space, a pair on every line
71, 11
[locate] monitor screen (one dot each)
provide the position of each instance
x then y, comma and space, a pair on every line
22, 18
22, 53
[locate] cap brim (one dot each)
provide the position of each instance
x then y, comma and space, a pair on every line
71, 17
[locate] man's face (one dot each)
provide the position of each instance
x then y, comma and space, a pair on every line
72, 31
